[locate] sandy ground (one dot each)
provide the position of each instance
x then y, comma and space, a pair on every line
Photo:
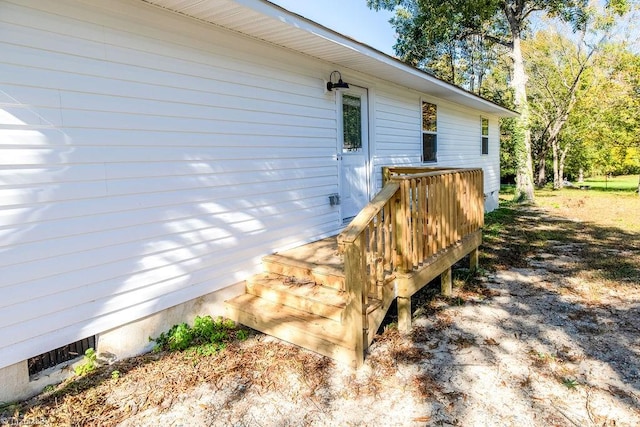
527, 350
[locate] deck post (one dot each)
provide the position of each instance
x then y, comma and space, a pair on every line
355, 311
386, 175
474, 259
445, 282
404, 314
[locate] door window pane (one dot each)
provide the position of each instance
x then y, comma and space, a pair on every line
352, 123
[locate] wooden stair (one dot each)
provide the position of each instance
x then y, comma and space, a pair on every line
299, 299
420, 224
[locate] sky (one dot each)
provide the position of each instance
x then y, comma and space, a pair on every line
350, 17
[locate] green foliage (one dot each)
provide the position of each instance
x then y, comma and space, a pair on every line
466, 41
206, 337
49, 388
585, 102
570, 383
181, 337
473, 44
115, 375
89, 363
508, 165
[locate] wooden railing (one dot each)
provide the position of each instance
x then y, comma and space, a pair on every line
439, 207
372, 229
418, 213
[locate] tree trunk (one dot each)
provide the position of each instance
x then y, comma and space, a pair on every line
557, 179
563, 159
562, 115
524, 164
452, 63
541, 180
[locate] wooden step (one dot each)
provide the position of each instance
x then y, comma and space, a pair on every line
307, 330
321, 274
301, 294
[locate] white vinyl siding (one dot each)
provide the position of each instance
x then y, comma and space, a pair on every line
147, 159
141, 168
399, 136
396, 129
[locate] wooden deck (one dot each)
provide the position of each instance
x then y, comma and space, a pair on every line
331, 296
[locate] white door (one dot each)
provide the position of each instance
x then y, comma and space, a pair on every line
353, 151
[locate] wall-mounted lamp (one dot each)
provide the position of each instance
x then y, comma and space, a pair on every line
339, 85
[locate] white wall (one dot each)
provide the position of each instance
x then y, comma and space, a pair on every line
399, 137
147, 159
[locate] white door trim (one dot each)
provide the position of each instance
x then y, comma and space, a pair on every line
366, 184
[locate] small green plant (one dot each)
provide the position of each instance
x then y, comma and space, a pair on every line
206, 337
546, 357
570, 383
49, 388
89, 363
181, 337
242, 335
115, 375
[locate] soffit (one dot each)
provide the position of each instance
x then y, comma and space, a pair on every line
265, 21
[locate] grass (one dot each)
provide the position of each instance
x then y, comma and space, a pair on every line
606, 208
605, 223
616, 183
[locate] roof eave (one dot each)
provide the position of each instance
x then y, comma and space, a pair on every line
336, 48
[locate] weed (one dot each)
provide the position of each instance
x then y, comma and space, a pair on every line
181, 337
541, 359
205, 350
48, 388
115, 374
206, 337
570, 383
89, 363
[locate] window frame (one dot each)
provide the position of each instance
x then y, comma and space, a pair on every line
434, 132
484, 138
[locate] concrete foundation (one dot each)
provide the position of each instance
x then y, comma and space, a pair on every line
125, 341
491, 201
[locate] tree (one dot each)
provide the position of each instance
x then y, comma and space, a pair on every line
556, 67
563, 68
425, 27
607, 117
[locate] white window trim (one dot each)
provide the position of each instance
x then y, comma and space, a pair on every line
482, 135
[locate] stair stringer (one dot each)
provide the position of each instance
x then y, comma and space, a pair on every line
376, 314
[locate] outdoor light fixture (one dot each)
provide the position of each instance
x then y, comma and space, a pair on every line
337, 85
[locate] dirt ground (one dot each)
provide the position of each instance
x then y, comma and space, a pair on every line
547, 334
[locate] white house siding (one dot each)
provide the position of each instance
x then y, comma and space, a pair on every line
399, 137
146, 159
397, 130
